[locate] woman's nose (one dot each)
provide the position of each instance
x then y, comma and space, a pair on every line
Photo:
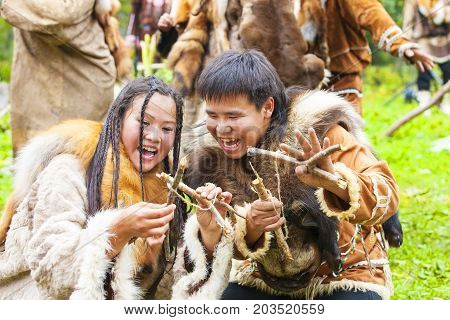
152, 133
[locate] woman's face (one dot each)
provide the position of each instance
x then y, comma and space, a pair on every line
159, 130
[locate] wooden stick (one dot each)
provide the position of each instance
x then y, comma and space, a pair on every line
171, 197
190, 192
421, 108
264, 196
310, 163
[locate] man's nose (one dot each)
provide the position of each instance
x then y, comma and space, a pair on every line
223, 128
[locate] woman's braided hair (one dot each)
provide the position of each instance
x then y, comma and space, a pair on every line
110, 140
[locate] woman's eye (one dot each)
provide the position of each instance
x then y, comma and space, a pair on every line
145, 123
168, 129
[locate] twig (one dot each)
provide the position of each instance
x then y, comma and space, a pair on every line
264, 196
171, 199
310, 163
190, 192
421, 108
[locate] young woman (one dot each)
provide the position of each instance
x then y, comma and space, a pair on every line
85, 191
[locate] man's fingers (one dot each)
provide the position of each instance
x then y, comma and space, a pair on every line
226, 196
420, 66
315, 144
298, 154
326, 143
306, 146
276, 225
267, 205
158, 213
151, 232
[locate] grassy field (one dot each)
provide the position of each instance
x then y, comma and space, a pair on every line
421, 267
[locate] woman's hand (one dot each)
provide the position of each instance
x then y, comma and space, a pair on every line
309, 149
422, 60
210, 230
145, 220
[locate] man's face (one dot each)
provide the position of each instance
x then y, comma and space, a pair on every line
236, 123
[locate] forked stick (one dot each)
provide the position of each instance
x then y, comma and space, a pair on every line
264, 196
311, 163
193, 194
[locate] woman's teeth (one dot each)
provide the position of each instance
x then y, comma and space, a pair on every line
153, 151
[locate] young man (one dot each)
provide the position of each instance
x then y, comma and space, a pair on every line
247, 106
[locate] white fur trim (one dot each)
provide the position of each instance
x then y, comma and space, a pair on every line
384, 39
248, 279
124, 271
408, 45
241, 231
309, 31
95, 262
383, 201
220, 269
350, 91
353, 192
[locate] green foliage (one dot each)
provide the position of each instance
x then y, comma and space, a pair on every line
6, 48
5, 159
421, 267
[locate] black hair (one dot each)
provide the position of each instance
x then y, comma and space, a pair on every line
110, 138
250, 74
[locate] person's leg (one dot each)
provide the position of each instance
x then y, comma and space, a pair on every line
235, 291
350, 295
423, 81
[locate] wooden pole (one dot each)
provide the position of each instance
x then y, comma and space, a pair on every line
421, 108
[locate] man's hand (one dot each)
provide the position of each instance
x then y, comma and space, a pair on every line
420, 58
309, 149
165, 22
263, 216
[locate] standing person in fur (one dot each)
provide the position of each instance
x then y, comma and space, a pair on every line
247, 106
62, 45
83, 191
428, 23
347, 45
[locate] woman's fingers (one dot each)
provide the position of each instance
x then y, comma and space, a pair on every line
267, 206
153, 241
304, 143
156, 232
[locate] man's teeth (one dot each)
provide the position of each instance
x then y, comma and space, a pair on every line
230, 142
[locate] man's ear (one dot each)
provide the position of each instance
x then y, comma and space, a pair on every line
268, 107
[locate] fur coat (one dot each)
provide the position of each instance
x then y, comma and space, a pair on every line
53, 250
373, 199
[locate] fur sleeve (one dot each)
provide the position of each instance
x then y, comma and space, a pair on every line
207, 279
372, 16
66, 252
372, 189
262, 245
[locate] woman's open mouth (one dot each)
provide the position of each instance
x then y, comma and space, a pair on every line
149, 153
229, 145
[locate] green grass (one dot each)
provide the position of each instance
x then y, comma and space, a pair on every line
421, 267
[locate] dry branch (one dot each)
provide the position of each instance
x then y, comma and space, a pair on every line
264, 196
310, 164
193, 194
421, 108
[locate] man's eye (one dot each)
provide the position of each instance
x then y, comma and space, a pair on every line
168, 129
145, 123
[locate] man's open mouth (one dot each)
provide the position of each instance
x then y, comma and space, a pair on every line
229, 144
